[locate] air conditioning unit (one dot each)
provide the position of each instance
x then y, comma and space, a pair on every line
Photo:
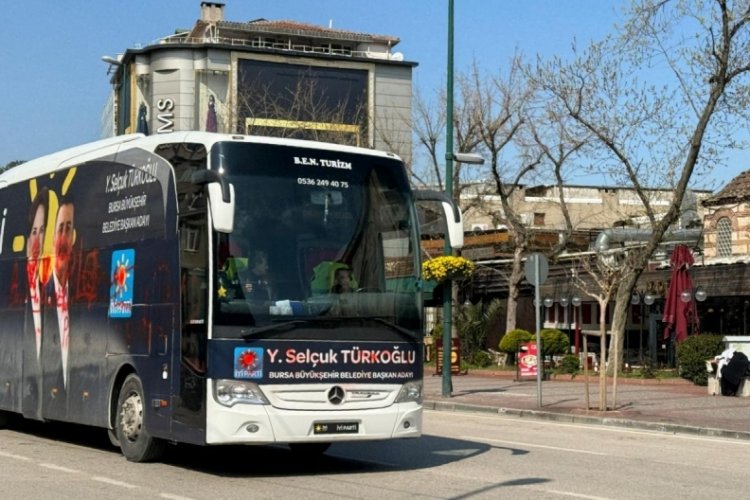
479, 227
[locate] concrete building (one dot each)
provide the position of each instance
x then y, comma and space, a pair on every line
591, 208
282, 78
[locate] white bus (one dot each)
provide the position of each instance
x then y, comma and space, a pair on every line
214, 289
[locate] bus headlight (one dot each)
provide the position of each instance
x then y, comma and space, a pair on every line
231, 392
410, 391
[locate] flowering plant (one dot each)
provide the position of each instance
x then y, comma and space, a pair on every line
447, 266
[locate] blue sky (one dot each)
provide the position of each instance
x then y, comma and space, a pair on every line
55, 83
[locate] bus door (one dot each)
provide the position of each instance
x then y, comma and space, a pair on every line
189, 383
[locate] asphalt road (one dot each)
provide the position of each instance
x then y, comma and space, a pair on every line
462, 455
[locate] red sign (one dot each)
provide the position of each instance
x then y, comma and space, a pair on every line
527, 360
455, 357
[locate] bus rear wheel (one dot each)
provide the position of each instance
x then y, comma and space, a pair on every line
136, 443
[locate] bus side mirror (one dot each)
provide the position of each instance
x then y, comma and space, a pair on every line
222, 212
451, 221
220, 198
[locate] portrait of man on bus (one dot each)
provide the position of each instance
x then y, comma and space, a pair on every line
63, 245
37, 265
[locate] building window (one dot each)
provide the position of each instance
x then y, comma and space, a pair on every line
724, 237
538, 219
302, 102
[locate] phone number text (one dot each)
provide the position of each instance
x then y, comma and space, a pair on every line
307, 181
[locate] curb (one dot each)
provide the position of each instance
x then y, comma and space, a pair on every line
586, 419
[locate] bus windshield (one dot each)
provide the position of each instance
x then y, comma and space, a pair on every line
321, 237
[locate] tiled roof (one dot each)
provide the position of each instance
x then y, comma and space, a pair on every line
737, 190
287, 27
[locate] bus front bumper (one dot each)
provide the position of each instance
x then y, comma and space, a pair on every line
265, 424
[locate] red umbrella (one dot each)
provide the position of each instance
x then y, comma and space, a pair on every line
678, 313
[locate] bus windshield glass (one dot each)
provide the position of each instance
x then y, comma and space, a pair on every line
322, 239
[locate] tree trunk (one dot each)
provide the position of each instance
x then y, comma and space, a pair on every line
602, 356
619, 320
516, 275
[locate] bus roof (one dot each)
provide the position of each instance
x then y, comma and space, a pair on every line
93, 150
64, 158
210, 138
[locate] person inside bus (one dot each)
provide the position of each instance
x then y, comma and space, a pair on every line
342, 281
256, 283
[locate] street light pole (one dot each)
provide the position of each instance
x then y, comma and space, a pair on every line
642, 298
448, 284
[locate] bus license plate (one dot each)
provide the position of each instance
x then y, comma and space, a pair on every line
336, 428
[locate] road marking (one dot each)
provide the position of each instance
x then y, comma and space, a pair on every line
530, 445
58, 468
173, 497
600, 427
576, 495
14, 456
113, 482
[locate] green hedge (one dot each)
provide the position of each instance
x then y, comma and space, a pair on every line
554, 342
512, 339
570, 364
693, 353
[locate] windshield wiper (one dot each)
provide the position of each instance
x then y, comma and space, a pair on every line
276, 328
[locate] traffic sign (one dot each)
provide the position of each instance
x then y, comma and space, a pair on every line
536, 268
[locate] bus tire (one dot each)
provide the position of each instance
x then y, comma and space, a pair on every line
5, 417
309, 449
136, 443
112, 435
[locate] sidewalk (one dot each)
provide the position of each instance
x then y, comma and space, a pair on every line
670, 405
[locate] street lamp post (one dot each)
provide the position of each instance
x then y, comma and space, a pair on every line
450, 157
641, 298
565, 303
694, 295
569, 304
448, 284
575, 301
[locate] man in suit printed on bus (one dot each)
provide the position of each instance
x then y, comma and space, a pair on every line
56, 344
38, 270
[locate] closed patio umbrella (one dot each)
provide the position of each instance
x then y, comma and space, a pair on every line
679, 314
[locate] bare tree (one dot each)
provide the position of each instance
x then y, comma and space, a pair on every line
304, 111
496, 112
599, 279
524, 142
429, 131
658, 133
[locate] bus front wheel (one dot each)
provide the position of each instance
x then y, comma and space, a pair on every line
135, 442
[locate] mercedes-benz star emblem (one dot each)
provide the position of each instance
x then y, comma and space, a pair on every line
336, 395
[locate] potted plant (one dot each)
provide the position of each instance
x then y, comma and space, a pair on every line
447, 267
